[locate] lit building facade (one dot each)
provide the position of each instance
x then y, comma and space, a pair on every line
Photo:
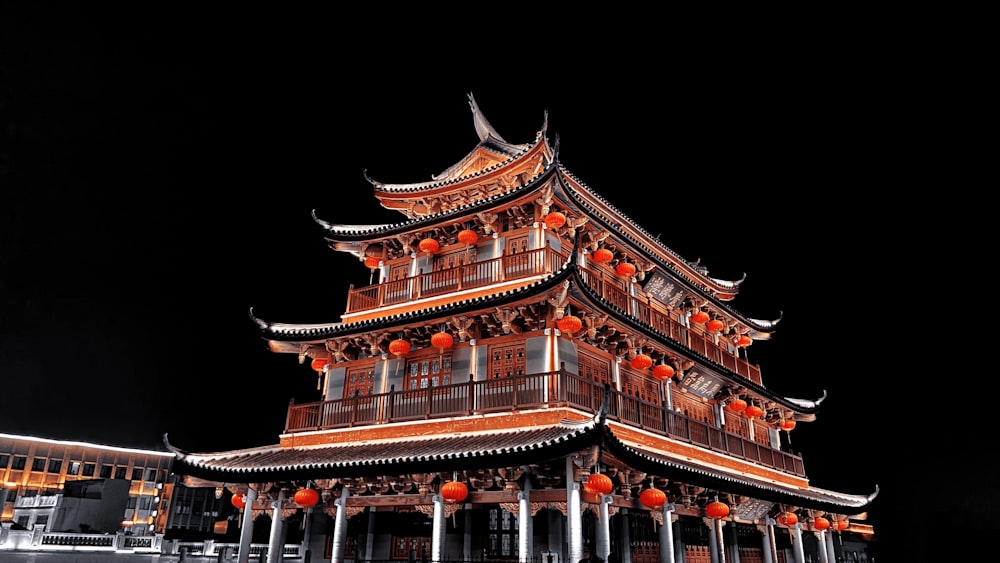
533, 376
35, 474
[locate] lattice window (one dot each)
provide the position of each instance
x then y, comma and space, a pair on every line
454, 259
638, 385
737, 424
428, 371
595, 368
761, 433
360, 381
693, 408
402, 546
507, 360
501, 538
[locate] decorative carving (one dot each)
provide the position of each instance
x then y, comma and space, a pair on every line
511, 507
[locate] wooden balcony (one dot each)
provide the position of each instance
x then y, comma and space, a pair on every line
543, 390
468, 276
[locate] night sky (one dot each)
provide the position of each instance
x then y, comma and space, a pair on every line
158, 179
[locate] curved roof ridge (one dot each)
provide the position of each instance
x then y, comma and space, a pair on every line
762, 326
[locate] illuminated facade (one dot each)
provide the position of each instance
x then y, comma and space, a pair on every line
36, 472
534, 376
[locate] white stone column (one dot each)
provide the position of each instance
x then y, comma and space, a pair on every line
769, 544
797, 548
437, 529
624, 539
821, 546
734, 547
340, 526
467, 539
604, 529
370, 536
274, 544
574, 520
246, 532
666, 535
831, 554
524, 522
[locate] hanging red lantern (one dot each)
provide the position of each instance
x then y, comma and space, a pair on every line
699, 317
788, 519
788, 425
842, 525
743, 341
717, 510
663, 372
454, 491
625, 269
319, 363
429, 245
399, 347
737, 405
715, 325
753, 411
239, 501
642, 361
602, 256
569, 324
821, 524
306, 497
442, 340
589, 489
555, 220
372, 261
652, 498
601, 483
468, 236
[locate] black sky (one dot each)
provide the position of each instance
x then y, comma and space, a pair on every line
159, 170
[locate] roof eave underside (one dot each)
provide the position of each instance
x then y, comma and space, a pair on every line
733, 482
370, 233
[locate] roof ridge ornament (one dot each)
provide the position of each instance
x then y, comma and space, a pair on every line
483, 127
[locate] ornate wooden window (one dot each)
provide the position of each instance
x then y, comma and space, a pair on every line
454, 259
595, 368
693, 408
428, 371
501, 537
507, 360
737, 424
761, 433
516, 245
360, 381
399, 270
640, 386
402, 546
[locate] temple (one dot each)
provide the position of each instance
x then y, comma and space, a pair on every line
532, 376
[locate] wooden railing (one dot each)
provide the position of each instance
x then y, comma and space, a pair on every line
542, 390
467, 276
656, 315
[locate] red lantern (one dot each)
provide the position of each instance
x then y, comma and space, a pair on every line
625, 269
442, 340
569, 324
842, 525
602, 256
642, 361
429, 245
715, 325
468, 236
743, 341
753, 411
601, 483
788, 425
319, 363
663, 371
306, 497
699, 317
399, 347
788, 519
555, 220
589, 489
737, 405
717, 510
821, 524
652, 498
239, 501
372, 261
454, 491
